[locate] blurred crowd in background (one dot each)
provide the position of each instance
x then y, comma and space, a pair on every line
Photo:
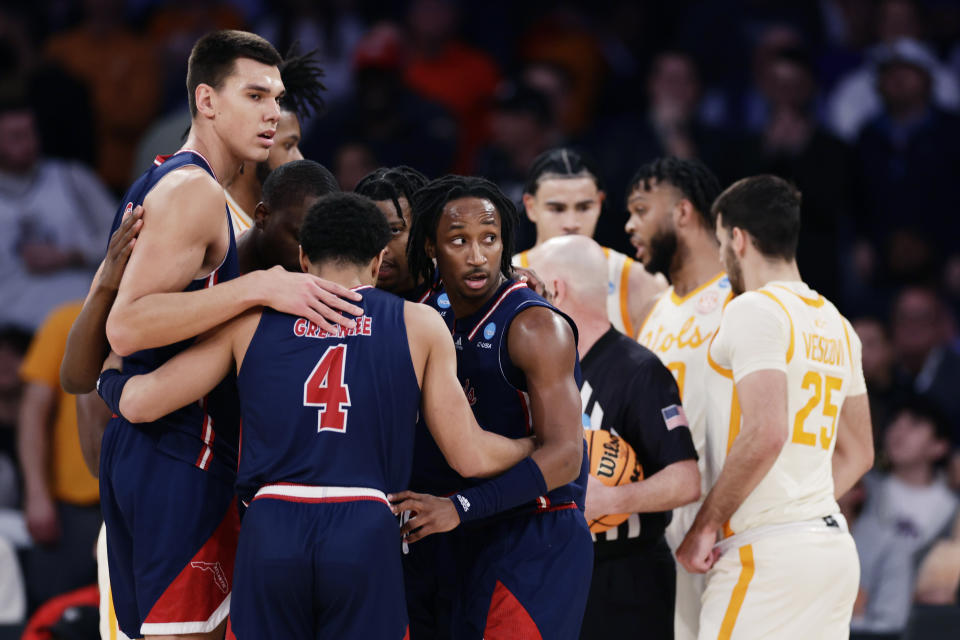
856, 101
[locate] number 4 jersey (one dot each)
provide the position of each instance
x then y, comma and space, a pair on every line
785, 326
326, 409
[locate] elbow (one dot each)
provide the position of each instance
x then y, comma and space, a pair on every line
134, 410
122, 340
470, 466
569, 465
771, 441
75, 385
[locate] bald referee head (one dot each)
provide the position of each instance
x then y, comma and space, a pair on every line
574, 272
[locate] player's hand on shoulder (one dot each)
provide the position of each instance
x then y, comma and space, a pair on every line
119, 249
429, 514
601, 499
301, 294
530, 277
696, 553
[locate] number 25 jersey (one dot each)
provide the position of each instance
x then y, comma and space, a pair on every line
325, 409
785, 326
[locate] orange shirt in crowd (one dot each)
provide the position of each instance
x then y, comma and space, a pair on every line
463, 80
123, 77
70, 480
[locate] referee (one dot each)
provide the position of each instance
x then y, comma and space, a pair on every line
628, 391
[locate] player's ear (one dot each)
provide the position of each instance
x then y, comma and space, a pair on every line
430, 249
304, 260
682, 213
740, 239
375, 265
601, 196
260, 215
528, 201
205, 98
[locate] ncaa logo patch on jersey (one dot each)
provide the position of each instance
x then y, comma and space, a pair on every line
443, 301
489, 331
611, 288
724, 283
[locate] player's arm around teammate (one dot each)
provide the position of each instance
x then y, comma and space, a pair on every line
192, 374
145, 313
541, 344
471, 451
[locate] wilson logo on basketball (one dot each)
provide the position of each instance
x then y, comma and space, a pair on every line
607, 465
614, 462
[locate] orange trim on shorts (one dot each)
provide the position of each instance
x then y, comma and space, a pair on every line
739, 593
777, 300
625, 297
111, 615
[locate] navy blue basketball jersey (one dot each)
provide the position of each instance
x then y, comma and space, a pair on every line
496, 388
205, 433
325, 409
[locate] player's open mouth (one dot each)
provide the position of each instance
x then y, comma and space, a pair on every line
476, 280
386, 269
267, 137
640, 250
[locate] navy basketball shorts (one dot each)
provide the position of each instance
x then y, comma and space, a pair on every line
171, 536
524, 578
429, 577
318, 569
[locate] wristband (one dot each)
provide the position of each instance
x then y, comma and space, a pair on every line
520, 484
110, 387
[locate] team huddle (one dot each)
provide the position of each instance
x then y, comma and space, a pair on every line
365, 417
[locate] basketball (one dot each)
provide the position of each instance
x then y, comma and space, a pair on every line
613, 462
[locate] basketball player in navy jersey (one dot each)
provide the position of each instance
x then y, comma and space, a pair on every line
392, 189
525, 554
171, 543
288, 193
328, 420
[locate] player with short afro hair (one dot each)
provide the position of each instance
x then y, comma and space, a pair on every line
343, 228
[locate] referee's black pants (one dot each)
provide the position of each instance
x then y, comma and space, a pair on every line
632, 592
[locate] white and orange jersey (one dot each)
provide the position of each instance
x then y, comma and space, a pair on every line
618, 287
784, 326
679, 329
240, 219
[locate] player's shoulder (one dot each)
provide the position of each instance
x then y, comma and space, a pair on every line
189, 183
422, 319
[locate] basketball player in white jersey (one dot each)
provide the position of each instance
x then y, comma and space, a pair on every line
788, 432
563, 196
300, 75
671, 226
